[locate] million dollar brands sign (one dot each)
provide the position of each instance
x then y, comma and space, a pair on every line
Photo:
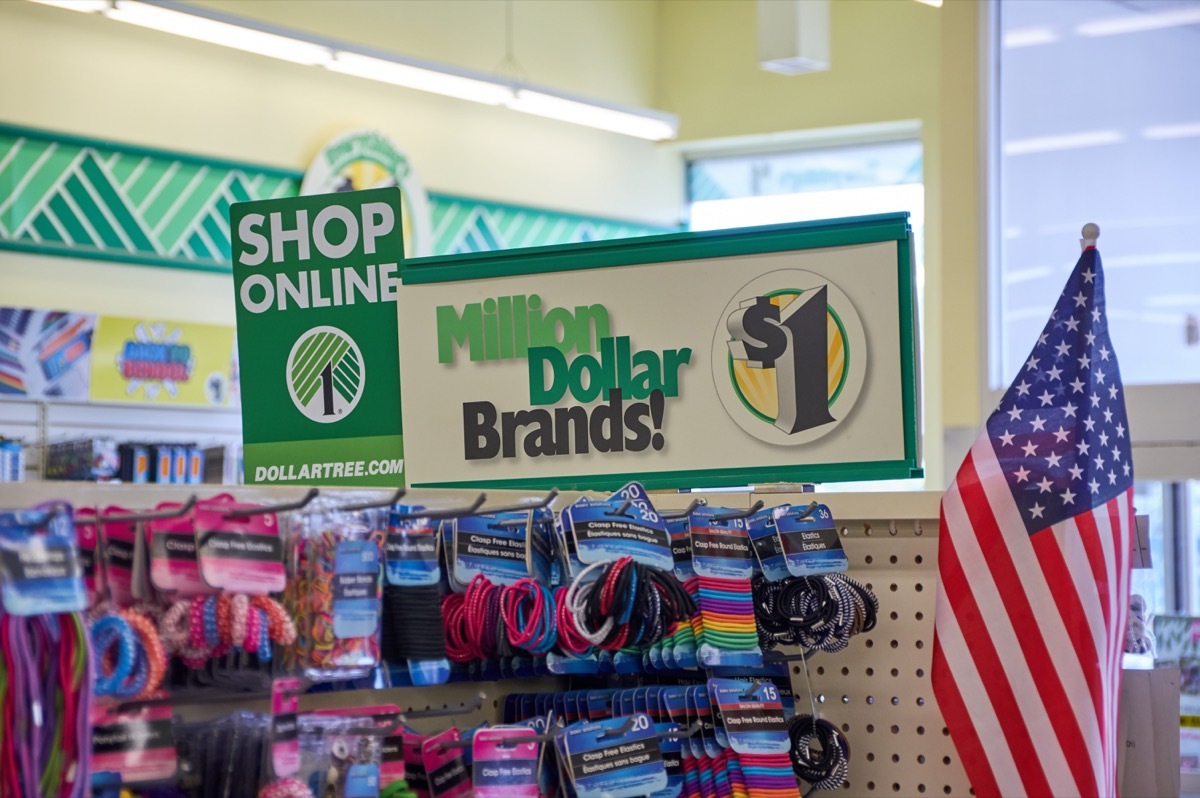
315, 281
688, 360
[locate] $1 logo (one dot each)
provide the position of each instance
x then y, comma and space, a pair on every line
788, 363
325, 375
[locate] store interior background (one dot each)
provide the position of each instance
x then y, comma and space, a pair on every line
901, 71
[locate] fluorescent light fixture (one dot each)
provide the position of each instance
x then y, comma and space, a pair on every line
934, 3
1181, 131
642, 125
1069, 141
88, 6
1152, 259
1174, 301
1137, 23
364, 66
227, 30
194, 26
1025, 275
1029, 37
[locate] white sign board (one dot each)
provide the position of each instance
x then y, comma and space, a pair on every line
784, 353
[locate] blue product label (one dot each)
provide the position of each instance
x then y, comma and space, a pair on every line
355, 589
752, 716
610, 530
561, 665
496, 546
362, 781
542, 562
679, 531
411, 549
764, 541
40, 569
720, 548
614, 758
811, 543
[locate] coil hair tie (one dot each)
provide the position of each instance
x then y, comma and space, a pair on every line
627, 605
816, 612
826, 766
285, 788
528, 612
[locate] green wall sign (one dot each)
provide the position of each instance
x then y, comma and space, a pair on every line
315, 283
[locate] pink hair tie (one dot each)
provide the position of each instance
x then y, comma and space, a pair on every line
174, 628
253, 631
193, 658
285, 788
196, 637
241, 612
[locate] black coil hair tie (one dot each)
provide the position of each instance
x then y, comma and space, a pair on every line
826, 765
815, 612
412, 624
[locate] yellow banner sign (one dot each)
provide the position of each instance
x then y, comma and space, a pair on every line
143, 360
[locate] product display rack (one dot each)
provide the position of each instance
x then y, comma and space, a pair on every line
877, 691
38, 424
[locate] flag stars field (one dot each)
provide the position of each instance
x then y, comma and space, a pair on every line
1033, 563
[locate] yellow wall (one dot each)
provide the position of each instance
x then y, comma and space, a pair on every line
892, 60
91, 76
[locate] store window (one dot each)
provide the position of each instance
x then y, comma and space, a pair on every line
1096, 118
818, 182
1099, 121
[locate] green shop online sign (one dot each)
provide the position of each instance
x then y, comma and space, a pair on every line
315, 282
767, 354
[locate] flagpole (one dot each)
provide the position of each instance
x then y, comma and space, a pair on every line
1090, 232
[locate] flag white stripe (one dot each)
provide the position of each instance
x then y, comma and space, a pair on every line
994, 613
1050, 624
1078, 563
983, 714
1124, 544
1105, 530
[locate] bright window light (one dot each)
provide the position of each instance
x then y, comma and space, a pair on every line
1029, 37
412, 77
548, 105
1069, 141
222, 33
1138, 22
1185, 130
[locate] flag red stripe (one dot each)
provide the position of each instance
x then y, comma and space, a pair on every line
1120, 508
970, 750
1089, 536
987, 663
1093, 655
1016, 603
1070, 608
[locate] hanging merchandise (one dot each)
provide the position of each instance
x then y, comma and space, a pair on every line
45, 656
724, 627
826, 765
223, 599
340, 589
412, 635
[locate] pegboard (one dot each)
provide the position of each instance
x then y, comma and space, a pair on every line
877, 690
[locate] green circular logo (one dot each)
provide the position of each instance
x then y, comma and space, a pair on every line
325, 374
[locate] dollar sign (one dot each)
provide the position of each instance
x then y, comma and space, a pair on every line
758, 337
794, 342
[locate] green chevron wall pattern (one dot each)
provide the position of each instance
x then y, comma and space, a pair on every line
76, 197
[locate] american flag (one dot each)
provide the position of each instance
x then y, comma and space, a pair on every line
1033, 562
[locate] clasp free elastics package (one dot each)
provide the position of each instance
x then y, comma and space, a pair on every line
40, 571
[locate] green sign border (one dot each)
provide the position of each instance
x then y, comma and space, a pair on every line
850, 231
